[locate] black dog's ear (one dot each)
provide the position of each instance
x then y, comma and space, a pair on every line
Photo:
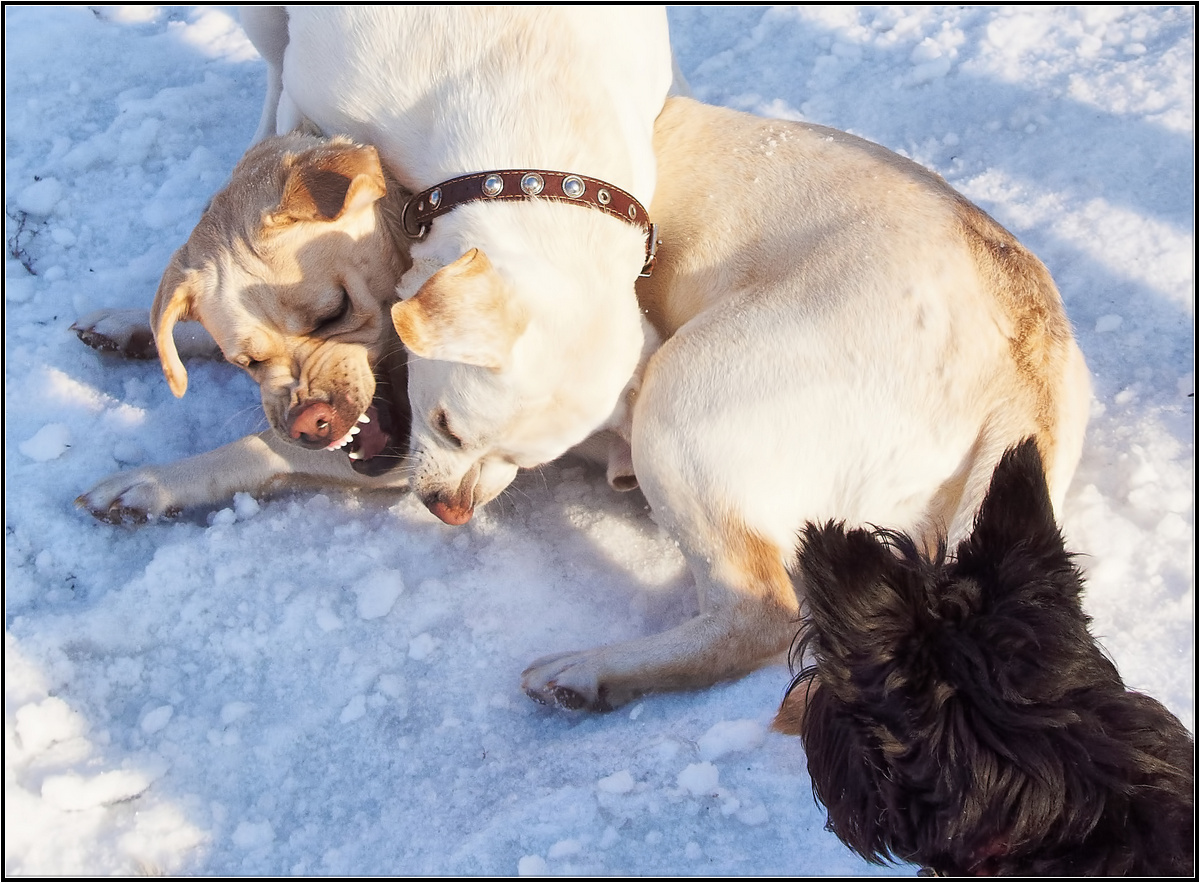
842, 572
1016, 515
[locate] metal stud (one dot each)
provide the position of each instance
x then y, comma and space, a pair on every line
632, 213
493, 185
573, 186
532, 184
603, 197
435, 198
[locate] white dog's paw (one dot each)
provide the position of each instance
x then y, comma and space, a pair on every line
133, 497
126, 332
573, 681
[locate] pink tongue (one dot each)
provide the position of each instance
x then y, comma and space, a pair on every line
370, 440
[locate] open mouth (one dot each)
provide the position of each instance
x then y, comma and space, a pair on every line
378, 442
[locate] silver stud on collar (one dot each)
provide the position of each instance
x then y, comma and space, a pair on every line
493, 185
632, 213
532, 184
573, 187
435, 198
603, 197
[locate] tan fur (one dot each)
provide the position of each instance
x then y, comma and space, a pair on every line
173, 303
298, 221
845, 337
291, 271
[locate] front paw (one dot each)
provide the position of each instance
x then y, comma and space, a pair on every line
133, 497
571, 681
126, 332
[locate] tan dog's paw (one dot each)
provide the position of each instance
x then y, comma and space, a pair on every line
133, 497
572, 681
126, 332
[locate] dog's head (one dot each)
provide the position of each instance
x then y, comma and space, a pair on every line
510, 369
958, 714
291, 269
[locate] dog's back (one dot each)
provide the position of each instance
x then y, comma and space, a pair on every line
781, 237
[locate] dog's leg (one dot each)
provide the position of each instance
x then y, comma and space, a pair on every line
748, 615
253, 464
266, 26
128, 333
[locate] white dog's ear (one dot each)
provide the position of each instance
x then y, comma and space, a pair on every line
463, 313
328, 182
173, 302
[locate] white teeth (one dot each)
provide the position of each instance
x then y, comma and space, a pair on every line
342, 442
355, 430
354, 455
363, 418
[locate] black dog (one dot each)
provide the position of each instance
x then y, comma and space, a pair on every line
958, 714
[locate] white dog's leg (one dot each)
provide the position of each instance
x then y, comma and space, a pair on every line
266, 26
253, 464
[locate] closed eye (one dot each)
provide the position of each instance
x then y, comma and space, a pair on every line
333, 319
250, 364
443, 426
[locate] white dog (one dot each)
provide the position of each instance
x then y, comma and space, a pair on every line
846, 338
292, 266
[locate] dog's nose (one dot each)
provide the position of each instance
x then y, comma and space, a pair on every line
313, 424
449, 513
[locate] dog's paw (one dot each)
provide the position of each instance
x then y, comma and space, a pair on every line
571, 681
133, 497
126, 332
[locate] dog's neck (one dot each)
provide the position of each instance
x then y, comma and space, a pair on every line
390, 209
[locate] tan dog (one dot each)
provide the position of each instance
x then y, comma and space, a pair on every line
291, 270
846, 338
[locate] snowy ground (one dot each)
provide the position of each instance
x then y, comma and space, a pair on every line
327, 684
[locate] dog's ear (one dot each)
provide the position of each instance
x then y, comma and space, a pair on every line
1018, 500
173, 302
849, 582
463, 313
1016, 521
328, 182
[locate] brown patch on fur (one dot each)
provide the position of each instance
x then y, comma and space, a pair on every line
789, 720
329, 183
1039, 332
760, 559
766, 602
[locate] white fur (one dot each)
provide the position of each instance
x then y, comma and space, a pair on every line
846, 339
441, 91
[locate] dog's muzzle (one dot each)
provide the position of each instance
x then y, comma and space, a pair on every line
521, 184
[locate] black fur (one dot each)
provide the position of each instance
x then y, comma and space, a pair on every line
959, 715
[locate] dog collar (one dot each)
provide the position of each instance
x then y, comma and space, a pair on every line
510, 184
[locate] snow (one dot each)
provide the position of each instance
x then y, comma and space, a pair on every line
324, 683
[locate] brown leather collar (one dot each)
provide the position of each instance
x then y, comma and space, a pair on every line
509, 184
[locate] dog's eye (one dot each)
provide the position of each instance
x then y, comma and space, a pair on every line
342, 311
250, 364
443, 426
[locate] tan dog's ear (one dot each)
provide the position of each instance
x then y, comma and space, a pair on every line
463, 313
173, 302
328, 182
